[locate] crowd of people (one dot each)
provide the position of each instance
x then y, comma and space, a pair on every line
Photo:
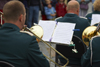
22, 50
50, 9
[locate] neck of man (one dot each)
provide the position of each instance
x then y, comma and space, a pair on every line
72, 11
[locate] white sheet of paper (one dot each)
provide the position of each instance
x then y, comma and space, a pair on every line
48, 28
63, 33
95, 19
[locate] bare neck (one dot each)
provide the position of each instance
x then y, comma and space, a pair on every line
72, 11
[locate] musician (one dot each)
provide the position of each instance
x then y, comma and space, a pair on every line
96, 6
18, 48
91, 58
81, 23
72, 17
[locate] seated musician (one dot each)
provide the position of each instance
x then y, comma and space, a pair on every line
81, 23
91, 58
72, 17
96, 6
18, 48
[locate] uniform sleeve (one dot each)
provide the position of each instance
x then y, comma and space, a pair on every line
85, 20
88, 23
35, 56
85, 60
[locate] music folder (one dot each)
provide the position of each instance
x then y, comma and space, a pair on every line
57, 32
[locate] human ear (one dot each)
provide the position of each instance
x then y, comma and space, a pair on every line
78, 11
21, 18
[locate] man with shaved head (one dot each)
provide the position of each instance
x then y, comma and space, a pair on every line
72, 16
18, 47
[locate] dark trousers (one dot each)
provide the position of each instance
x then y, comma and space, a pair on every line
33, 14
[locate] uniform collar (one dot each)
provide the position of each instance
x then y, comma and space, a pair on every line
9, 25
97, 12
70, 15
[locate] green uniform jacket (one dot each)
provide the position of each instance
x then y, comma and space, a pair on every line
86, 58
20, 49
81, 23
89, 16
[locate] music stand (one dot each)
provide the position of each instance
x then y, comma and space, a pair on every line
67, 50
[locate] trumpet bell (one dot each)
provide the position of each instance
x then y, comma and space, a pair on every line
88, 33
38, 30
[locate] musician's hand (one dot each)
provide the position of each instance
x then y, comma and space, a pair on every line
25, 25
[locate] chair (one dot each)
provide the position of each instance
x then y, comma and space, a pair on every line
67, 50
5, 64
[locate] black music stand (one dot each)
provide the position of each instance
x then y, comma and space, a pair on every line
67, 50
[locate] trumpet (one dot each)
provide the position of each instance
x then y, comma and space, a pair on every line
37, 31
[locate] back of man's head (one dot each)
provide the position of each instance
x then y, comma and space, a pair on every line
73, 6
96, 5
12, 10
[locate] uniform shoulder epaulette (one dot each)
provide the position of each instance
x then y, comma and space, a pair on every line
83, 17
95, 36
58, 18
88, 13
27, 33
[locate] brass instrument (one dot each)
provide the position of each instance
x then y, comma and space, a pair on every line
38, 32
89, 32
1, 14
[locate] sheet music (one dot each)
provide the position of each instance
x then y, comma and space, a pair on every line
95, 19
63, 33
48, 28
